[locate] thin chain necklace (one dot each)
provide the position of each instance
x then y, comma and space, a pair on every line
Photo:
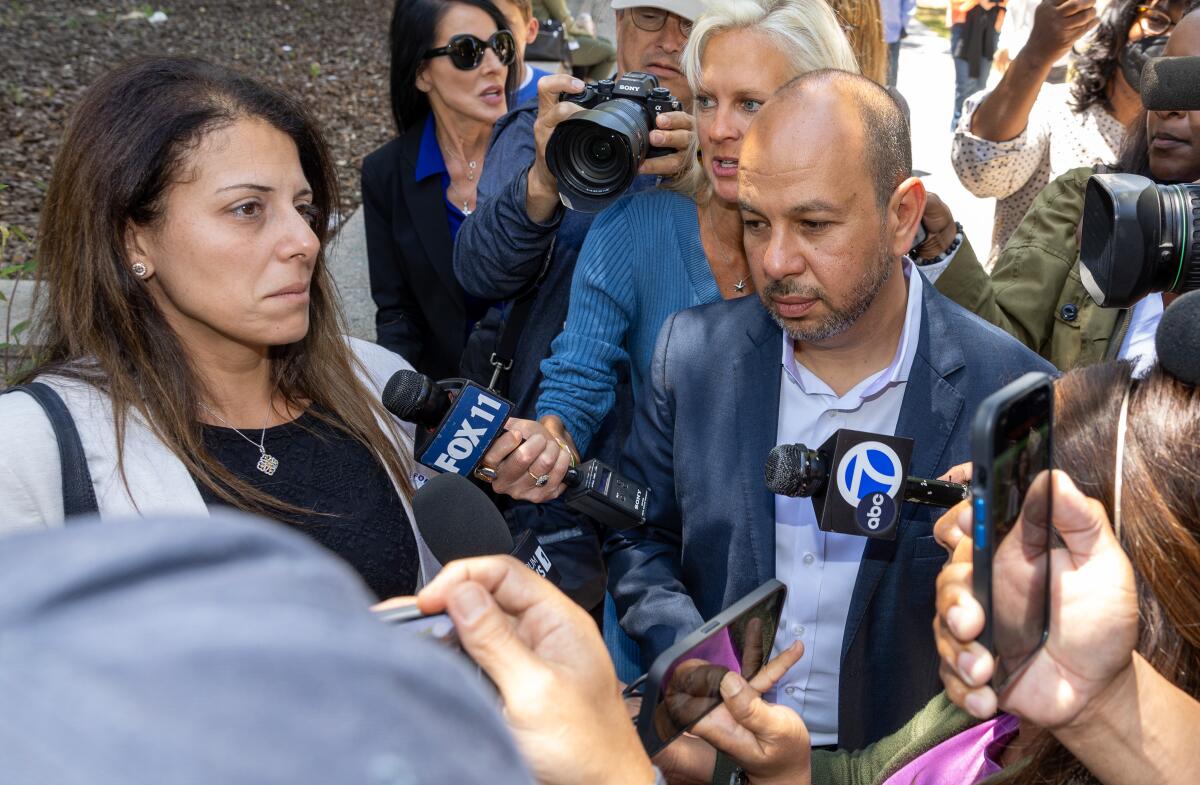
267, 464
472, 169
740, 286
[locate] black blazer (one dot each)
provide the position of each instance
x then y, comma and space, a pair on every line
422, 315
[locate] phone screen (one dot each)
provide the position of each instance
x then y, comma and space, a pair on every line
1020, 543
691, 684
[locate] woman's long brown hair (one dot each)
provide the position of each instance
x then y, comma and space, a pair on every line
1160, 517
127, 141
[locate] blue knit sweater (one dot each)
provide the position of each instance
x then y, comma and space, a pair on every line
641, 262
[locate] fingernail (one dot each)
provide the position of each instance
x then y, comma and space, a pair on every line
976, 705
966, 667
576, 84
656, 137
964, 516
731, 685
469, 603
954, 618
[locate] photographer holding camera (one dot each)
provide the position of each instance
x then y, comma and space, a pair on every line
1036, 291
521, 243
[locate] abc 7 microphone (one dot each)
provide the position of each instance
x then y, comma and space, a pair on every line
860, 495
457, 422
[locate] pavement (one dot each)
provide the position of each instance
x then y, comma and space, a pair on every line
927, 82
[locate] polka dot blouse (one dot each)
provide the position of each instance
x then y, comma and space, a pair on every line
1055, 140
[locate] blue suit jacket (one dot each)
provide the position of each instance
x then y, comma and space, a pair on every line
710, 532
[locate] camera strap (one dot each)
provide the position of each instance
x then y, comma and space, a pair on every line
510, 332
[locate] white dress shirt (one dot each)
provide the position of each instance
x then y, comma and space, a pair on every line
1139, 339
820, 568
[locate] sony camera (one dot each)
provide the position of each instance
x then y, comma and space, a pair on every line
1138, 237
595, 154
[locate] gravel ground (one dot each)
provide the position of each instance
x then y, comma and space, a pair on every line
333, 54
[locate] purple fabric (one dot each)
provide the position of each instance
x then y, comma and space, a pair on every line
962, 760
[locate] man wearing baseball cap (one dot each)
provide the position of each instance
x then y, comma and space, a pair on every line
501, 253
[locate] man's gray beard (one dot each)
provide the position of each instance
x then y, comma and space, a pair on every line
839, 319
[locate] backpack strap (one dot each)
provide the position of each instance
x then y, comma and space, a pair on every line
79, 497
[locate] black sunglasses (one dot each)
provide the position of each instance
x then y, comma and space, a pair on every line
466, 51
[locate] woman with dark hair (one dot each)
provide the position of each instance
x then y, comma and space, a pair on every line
190, 325
1035, 291
1011, 141
453, 72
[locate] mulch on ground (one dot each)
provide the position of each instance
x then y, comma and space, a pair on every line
332, 54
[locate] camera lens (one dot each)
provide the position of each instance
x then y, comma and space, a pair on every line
1138, 237
595, 154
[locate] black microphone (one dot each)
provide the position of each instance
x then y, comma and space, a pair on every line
460, 420
854, 479
1171, 83
795, 470
459, 521
1177, 339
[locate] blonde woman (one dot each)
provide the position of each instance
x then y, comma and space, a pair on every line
657, 252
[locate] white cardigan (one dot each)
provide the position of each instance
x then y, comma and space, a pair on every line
31, 476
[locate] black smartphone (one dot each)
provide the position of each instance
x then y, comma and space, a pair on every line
684, 683
1011, 444
437, 627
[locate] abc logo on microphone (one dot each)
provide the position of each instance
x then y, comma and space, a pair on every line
868, 478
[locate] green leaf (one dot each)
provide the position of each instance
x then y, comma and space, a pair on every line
19, 328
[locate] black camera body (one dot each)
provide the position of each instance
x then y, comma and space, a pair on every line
606, 497
595, 154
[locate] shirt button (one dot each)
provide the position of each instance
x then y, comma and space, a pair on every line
809, 558
798, 630
790, 691
1069, 312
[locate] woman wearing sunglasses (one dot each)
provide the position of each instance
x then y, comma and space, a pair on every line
453, 72
1012, 141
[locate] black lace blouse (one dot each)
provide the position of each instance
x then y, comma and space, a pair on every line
354, 508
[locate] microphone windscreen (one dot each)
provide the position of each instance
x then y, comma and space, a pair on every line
458, 521
405, 393
1171, 83
783, 470
1177, 339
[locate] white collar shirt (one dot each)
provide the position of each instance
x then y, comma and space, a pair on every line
820, 568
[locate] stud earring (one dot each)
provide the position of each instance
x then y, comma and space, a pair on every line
139, 269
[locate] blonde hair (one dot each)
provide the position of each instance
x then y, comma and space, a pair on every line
806, 32
863, 24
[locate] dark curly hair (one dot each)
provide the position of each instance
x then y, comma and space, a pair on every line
1097, 65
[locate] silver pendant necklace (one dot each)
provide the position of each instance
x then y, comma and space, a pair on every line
740, 286
267, 464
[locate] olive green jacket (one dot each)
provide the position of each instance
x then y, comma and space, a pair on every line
939, 721
1035, 292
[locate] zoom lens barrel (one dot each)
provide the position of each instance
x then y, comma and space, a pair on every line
1138, 237
595, 154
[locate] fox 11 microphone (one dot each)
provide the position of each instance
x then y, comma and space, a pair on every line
457, 420
459, 521
855, 480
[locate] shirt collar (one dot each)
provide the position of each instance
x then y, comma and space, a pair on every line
896, 372
429, 154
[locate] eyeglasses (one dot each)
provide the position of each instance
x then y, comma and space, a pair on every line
652, 20
467, 52
1154, 21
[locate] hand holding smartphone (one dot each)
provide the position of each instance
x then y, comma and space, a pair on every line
1011, 444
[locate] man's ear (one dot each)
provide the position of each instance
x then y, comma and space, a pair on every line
532, 31
905, 209
137, 249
